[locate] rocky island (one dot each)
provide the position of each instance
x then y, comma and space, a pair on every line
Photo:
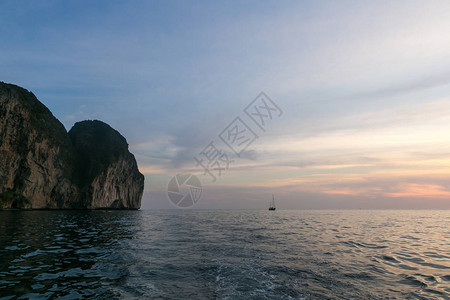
42, 166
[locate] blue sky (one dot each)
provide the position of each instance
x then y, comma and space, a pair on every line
364, 87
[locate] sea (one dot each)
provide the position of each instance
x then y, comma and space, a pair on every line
225, 254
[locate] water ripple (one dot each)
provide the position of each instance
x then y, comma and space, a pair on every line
225, 254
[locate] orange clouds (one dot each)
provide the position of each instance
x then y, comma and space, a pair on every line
415, 190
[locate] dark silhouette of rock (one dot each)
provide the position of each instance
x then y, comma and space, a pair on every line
44, 167
107, 173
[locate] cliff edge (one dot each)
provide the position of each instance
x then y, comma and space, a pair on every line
44, 167
108, 175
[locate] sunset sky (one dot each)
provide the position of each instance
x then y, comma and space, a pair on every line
364, 88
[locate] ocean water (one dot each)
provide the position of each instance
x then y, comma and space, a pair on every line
207, 254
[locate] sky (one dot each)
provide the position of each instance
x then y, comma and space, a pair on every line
362, 87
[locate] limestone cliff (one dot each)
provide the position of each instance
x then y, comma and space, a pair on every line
109, 177
42, 167
36, 154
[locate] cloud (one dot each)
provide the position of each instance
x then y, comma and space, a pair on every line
364, 88
416, 190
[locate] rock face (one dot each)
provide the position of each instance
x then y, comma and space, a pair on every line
36, 154
44, 167
105, 167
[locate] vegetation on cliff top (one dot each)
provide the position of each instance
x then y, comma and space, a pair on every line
41, 117
98, 146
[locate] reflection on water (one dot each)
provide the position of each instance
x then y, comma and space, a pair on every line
63, 252
225, 254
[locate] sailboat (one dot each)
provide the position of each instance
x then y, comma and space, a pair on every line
272, 204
